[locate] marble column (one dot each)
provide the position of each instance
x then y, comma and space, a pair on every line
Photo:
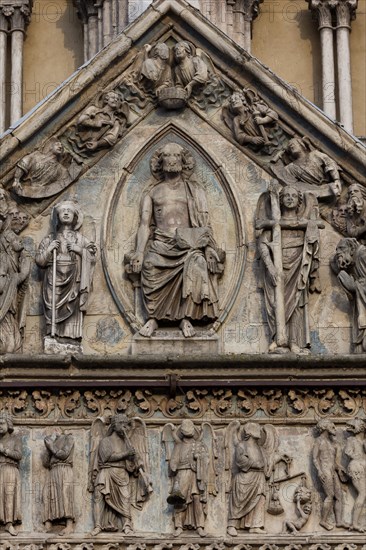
19, 19
345, 13
5, 12
322, 9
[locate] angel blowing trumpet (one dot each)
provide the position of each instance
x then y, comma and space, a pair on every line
192, 468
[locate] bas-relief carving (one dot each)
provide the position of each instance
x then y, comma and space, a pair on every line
355, 451
327, 462
58, 492
253, 123
350, 265
176, 252
118, 472
99, 126
15, 266
45, 172
10, 457
68, 259
193, 471
288, 245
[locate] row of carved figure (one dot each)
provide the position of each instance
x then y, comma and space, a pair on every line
119, 475
189, 546
177, 259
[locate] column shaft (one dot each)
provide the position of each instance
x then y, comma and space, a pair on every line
17, 40
328, 79
3, 41
344, 78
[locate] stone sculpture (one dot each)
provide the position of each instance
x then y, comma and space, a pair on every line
356, 211
100, 126
253, 123
43, 173
192, 469
355, 450
350, 265
10, 457
58, 494
191, 71
308, 169
68, 259
249, 459
303, 502
15, 266
118, 472
176, 252
152, 67
288, 244
327, 462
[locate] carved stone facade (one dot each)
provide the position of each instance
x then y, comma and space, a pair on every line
182, 303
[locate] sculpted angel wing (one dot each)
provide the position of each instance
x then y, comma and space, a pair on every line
208, 434
98, 430
138, 439
232, 436
207, 60
169, 437
227, 116
269, 442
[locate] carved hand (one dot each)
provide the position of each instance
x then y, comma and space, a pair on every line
347, 281
54, 245
256, 140
91, 144
212, 259
71, 247
188, 89
136, 262
336, 188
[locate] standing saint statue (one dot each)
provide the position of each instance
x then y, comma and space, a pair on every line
192, 469
118, 472
355, 450
176, 252
15, 266
58, 495
289, 249
250, 458
10, 456
68, 259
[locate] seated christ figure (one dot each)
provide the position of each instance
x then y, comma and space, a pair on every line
176, 252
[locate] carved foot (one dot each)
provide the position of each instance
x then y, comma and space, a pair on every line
294, 348
68, 529
187, 329
148, 328
178, 531
201, 532
280, 350
128, 530
47, 526
232, 531
257, 531
9, 527
356, 527
326, 525
96, 531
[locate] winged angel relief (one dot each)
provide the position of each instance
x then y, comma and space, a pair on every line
118, 472
250, 459
193, 471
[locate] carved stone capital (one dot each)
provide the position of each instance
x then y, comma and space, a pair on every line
15, 16
345, 12
87, 8
323, 10
249, 8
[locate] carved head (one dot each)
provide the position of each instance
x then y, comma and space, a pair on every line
53, 147
356, 198
345, 250
187, 428
291, 198
171, 158
161, 50
182, 50
112, 99
296, 147
67, 213
356, 425
325, 425
251, 429
237, 101
19, 219
6, 423
120, 424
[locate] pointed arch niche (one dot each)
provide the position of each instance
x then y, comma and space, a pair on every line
123, 216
